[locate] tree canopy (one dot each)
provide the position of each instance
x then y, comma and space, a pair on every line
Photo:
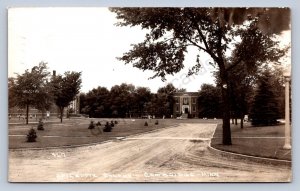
265, 108
29, 89
65, 88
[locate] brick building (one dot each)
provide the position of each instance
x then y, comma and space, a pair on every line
186, 103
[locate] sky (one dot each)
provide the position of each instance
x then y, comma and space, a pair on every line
87, 40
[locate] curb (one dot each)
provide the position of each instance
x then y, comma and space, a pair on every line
88, 144
249, 157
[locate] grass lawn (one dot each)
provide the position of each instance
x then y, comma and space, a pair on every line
256, 141
76, 132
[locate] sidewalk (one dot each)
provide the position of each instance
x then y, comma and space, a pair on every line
254, 141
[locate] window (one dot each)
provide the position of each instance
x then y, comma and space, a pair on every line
177, 100
194, 100
194, 108
177, 108
185, 101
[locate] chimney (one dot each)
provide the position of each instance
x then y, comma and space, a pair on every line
54, 73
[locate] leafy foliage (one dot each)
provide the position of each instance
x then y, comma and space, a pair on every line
30, 89
209, 101
265, 109
127, 101
230, 36
31, 136
40, 125
107, 127
91, 125
65, 88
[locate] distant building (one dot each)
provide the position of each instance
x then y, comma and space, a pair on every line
186, 103
75, 105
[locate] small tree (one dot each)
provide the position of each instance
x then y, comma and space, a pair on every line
64, 89
107, 127
92, 125
40, 125
31, 136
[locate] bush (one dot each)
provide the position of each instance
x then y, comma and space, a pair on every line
98, 123
156, 122
107, 127
40, 125
92, 125
31, 136
112, 124
146, 124
116, 122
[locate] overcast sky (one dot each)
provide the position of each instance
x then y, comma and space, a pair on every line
86, 40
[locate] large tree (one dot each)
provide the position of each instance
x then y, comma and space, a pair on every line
265, 108
230, 36
29, 89
64, 89
96, 102
121, 99
142, 95
209, 101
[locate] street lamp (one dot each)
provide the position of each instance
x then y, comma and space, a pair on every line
287, 79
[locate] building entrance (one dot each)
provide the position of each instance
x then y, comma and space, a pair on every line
185, 109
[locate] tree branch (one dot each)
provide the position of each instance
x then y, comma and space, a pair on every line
234, 64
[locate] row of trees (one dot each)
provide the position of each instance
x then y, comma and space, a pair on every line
261, 96
126, 100
37, 88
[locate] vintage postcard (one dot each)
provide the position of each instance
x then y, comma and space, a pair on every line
177, 94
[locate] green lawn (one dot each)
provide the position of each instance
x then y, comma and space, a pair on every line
256, 141
76, 132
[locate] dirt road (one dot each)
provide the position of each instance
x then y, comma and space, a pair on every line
175, 154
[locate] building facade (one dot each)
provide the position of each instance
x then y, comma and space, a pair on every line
186, 103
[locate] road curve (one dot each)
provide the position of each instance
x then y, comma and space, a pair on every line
175, 154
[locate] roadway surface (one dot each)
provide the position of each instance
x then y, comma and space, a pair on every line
175, 154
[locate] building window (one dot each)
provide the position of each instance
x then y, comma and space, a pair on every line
177, 108
194, 100
177, 100
194, 108
185, 101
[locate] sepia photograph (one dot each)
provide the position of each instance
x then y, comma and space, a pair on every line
149, 94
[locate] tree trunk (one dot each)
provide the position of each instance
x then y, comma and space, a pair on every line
226, 117
232, 121
27, 112
61, 114
242, 121
226, 106
235, 120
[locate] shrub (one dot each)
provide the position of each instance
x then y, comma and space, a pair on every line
40, 125
98, 123
116, 122
156, 122
31, 136
112, 124
107, 127
146, 124
92, 125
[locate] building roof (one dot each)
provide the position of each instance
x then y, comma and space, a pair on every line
186, 94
